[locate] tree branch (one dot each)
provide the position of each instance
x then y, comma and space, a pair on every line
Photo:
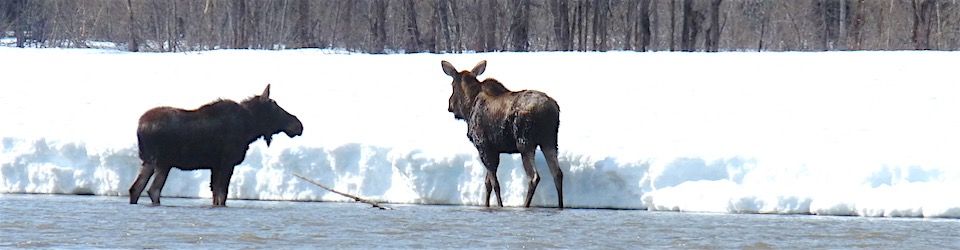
372, 203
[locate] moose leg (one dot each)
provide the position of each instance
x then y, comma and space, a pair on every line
551, 154
531, 169
146, 171
158, 182
491, 161
219, 185
496, 186
489, 187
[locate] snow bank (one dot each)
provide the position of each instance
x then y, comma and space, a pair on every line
838, 133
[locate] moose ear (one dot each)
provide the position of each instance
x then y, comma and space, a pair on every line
448, 68
266, 92
481, 66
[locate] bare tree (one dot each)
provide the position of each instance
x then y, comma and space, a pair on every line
561, 24
238, 16
713, 32
414, 43
134, 44
580, 20
303, 34
519, 26
599, 24
644, 32
922, 10
378, 30
489, 25
673, 25
378, 26
692, 20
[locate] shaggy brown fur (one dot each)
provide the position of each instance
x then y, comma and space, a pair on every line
215, 136
504, 121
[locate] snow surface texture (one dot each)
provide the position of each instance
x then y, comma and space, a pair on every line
838, 133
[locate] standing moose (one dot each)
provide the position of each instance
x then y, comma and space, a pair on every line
215, 136
503, 121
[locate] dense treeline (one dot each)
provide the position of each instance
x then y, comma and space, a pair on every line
384, 26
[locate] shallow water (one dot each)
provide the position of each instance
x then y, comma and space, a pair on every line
72, 221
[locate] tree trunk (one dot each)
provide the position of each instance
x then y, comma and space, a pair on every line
519, 26
492, 26
240, 24
561, 24
414, 43
654, 18
630, 22
713, 32
172, 38
583, 6
433, 34
690, 28
457, 27
134, 44
921, 23
604, 20
856, 31
673, 25
763, 26
346, 26
443, 25
881, 41
594, 24
826, 25
842, 34
303, 34
378, 29
644, 33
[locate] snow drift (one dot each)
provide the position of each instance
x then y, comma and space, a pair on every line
837, 133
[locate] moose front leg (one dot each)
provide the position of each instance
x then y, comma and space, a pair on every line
158, 182
220, 184
146, 171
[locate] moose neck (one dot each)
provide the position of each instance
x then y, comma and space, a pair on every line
471, 93
486, 90
255, 121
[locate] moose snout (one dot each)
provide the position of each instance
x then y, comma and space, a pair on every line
294, 128
455, 115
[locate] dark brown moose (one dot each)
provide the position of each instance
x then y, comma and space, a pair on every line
215, 136
504, 121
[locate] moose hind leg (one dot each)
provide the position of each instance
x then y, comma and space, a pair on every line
551, 154
489, 187
492, 161
158, 182
146, 171
531, 169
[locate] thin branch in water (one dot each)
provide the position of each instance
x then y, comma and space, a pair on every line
372, 203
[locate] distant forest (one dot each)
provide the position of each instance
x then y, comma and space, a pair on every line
454, 26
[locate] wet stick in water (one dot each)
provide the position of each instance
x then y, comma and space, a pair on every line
372, 203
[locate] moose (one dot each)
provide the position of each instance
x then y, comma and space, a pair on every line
504, 121
215, 136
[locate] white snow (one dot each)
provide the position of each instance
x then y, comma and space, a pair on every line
833, 133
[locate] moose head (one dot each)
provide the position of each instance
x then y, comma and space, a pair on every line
271, 118
466, 87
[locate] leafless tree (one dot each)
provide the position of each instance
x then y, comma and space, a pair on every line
450, 26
